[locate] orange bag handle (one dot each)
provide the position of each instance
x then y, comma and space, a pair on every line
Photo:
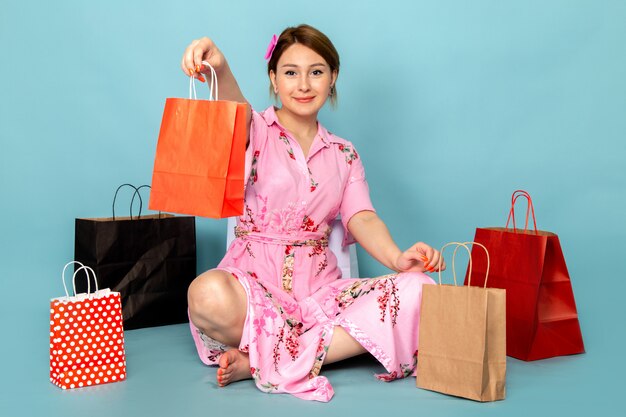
458, 245
529, 209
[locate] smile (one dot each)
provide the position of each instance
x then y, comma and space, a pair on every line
304, 99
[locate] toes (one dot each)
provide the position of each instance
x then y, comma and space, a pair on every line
222, 381
233, 366
224, 361
224, 376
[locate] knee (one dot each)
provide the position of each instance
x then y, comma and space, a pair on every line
415, 279
208, 296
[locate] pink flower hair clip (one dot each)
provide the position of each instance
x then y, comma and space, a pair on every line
270, 48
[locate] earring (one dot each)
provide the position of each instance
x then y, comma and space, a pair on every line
332, 91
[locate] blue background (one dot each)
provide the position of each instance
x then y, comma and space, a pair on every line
451, 104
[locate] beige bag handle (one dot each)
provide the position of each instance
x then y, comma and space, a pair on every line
463, 244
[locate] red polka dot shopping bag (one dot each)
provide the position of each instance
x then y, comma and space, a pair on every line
86, 336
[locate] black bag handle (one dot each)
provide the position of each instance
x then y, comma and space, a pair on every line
131, 204
137, 193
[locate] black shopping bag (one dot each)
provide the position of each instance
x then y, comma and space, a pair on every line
150, 260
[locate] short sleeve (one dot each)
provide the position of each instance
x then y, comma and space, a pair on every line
258, 132
356, 197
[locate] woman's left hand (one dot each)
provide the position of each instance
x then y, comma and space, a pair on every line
420, 258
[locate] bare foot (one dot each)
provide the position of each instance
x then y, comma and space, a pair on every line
234, 366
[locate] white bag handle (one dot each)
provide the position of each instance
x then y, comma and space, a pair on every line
213, 90
87, 269
95, 280
63, 277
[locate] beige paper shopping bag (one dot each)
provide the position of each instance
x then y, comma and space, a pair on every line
462, 338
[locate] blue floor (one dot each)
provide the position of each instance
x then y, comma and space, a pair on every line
166, 378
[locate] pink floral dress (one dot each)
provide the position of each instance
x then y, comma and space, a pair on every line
296, 295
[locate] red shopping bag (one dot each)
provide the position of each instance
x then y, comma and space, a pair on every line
199, 163
86, 337
542, 320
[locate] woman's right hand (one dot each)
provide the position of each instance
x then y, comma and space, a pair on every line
203, 49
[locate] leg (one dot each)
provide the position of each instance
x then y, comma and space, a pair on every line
385, 310
342, 346
217, 306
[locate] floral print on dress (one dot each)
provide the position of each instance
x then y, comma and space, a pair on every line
322, 350
266, 387
287, 220
269, 387
314, 184
388, 377
249, 250
308, 225
388, 300
407, 370
248, 221
276, 352
253, 170
288, 337
349, 152
316, 251
255, 372
288, 262
282, 136
292, 343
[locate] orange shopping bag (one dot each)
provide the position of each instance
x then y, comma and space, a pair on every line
199, 163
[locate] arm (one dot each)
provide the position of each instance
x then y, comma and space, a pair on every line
372, 233
204, 49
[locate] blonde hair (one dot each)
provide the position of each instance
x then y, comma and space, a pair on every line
312, 38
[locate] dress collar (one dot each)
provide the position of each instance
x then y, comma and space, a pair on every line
269, 115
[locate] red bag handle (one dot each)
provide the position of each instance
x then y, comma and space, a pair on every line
529, 209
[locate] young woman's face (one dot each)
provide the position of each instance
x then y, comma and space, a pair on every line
302, 80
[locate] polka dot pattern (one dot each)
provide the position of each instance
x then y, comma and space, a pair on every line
87, 341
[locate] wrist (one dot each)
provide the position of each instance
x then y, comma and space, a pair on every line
395, 262
222, 69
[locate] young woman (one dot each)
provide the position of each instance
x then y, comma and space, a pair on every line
276, 309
